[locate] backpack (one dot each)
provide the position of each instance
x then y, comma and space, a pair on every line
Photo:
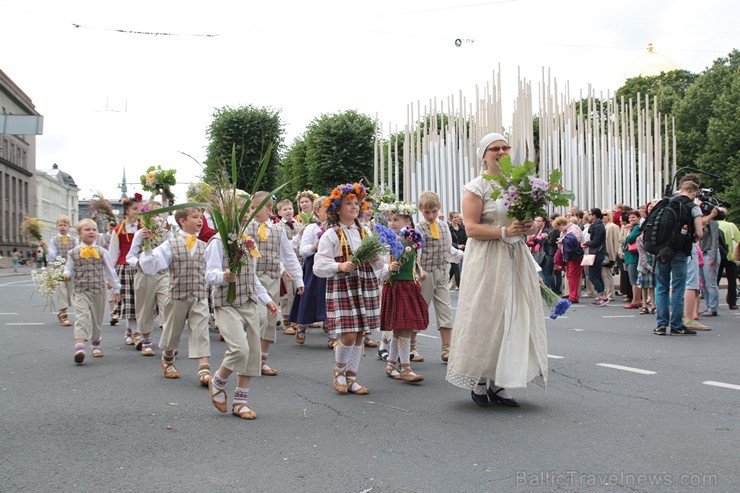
669, 228
724, 248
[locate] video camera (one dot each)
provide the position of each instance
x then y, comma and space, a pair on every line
709, 202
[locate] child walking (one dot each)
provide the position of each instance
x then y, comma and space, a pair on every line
151, 290
120, 244
352, 293
310, 306
436, 256
90, 268
184, 258
275, 252
238, 323
287, 291
60, 246
403, 309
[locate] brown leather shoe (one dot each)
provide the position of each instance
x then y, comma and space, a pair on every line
63, 319
243, 411
353, 387
288, 328
221, 406
342, 388
445, 352
267, 371
147, 351
170, 371
97, 352
300, 337
407, 375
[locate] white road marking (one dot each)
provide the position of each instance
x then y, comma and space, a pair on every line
16, 282
26, 323
626, 368
722, 384
426, 335
618, 316
8, 313
554, 357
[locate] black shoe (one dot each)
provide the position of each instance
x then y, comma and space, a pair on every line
481, 400
494, 397
383, 354
659, 331
113, 320
683, 331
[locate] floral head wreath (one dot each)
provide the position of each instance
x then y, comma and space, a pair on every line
398, 207
136, 198
352, 191
306, 193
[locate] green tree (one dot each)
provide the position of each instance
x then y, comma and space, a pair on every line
252, 130
339, 148
293, 169
669, 87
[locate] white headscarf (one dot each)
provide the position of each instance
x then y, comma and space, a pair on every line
486, 141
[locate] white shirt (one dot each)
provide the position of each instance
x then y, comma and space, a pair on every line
132, 257
109, 272
159, 258
309, 236
214, 271
324, 264
51, 253
288, 259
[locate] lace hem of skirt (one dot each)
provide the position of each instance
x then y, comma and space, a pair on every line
468, 382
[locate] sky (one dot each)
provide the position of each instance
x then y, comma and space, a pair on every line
114, 96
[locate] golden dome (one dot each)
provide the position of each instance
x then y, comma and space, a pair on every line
649, 64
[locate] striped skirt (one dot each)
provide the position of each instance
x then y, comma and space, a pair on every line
353, 301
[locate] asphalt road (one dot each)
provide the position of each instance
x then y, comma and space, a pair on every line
115, 424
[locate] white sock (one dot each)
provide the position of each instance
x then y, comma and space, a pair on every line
240, 395
341, 357
218, 383
393, 351
383, 345
500, 391
264, 358
354, 365
132, 325
404, 350
480, 388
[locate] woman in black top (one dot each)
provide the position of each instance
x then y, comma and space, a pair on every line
459, 238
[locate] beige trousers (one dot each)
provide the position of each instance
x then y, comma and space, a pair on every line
63, 295
436, 289
89, 308
268, 324
239, 327
148, 292
195, 311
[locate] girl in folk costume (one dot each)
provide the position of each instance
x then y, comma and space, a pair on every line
287, 292
150, 291
352, 292
304, 200
310, 306
120, 244
403, 309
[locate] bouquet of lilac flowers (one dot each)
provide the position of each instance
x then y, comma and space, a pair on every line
389, 238
524, 194
556, 305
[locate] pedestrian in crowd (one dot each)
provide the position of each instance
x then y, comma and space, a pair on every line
670, 274
89, 268
625, 288
437, 253
631, 256
596, 245
459, 238
612, 250
709, 245
727, 263
287, 290
59, 246
352, 291
553, 277
183, 256
572, 254
499, 341
16, 259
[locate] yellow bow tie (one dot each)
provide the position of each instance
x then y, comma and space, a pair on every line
190, 242
89, 251
262, 232
65, 239
434, 230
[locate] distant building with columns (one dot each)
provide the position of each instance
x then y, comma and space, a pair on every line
57, 195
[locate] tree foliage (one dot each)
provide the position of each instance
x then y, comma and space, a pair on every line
669, 87
339, 148
293, 169
252, 130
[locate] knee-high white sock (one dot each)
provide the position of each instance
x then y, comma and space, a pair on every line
404, 350
354, 366
342, 355
393, 351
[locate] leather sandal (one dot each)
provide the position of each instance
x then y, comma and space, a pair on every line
288, 328
220, 405
128, 340
445, 353
332, 343
300, 336
369, 342
169, 370
97, 352
267, 371
342, 388
204, 376
138, 343
352, 382
243, 411
407, 375
392, 372
63, 319
147, 351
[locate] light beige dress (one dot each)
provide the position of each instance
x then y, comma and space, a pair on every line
499, 330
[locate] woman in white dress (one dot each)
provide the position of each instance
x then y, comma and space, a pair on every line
499, 339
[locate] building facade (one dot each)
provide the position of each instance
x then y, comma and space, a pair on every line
17, 170
57, 195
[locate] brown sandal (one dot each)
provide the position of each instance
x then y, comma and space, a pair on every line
408, 375
204, 376
169, 370
361, 390
64, 319
300, 336
243, 411
445, 352
221, 406
340, 371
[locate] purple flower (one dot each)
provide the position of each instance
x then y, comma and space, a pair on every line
560, 308
506, 204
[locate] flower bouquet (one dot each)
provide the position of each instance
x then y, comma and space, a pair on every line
403, 246
153, 223
47, 279
306, 218
523, 194
370, 249
556, 305
200, 192
381, 197
159, 181
31, 229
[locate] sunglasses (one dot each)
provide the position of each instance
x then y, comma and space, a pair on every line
498, 148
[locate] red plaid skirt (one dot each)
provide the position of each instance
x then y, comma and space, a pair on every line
353, 301
403, 307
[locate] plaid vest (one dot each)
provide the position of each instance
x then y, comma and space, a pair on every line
245, 285
269, 263
187, 272
89, 276
433, 254
62, 249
